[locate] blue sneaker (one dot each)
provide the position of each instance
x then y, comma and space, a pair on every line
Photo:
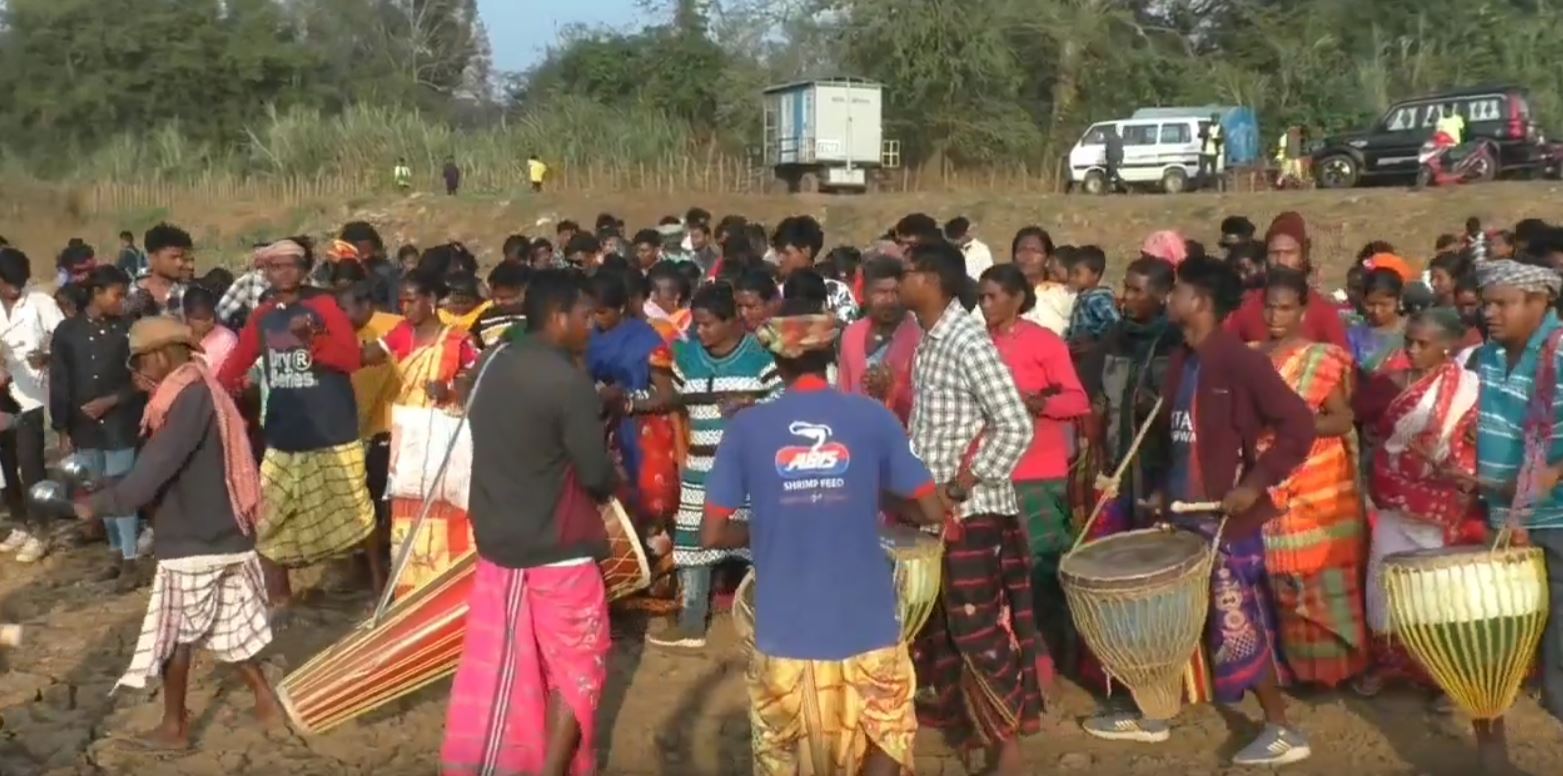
1275, 746
1127, 726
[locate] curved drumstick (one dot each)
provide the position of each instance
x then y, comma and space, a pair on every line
1188, 507
1112, 484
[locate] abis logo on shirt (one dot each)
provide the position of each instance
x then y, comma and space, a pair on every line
820, 458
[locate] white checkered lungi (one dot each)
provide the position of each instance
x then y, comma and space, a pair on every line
213, 601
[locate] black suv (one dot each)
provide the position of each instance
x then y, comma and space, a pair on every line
1389, 150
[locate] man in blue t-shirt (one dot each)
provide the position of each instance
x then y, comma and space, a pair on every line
812, 465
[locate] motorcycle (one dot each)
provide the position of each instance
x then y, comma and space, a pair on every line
1441, 163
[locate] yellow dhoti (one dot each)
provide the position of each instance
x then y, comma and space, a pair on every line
818, 717
314, 504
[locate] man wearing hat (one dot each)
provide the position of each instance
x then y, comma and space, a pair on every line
1287, 245
1519, 453
198, 476
811, 465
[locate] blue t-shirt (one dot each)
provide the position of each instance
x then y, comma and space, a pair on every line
1182, 479
812, 465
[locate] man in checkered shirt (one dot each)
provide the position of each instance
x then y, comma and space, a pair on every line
964, 394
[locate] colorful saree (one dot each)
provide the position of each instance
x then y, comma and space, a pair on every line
1376, 350
1314, 552
626, 356
446, 534
1429, 427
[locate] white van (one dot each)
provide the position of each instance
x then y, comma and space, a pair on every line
1159, 152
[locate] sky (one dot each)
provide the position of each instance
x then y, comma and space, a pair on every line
521, 30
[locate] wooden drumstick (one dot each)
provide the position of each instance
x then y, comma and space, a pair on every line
1188, 507
10, 635
1123, 466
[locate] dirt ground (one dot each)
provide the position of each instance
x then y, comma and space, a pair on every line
664, 715
673, 714
1341, 222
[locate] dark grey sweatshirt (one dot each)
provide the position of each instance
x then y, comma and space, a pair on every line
180, 472
539, 458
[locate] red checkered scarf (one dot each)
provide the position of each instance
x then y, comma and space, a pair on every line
243, 477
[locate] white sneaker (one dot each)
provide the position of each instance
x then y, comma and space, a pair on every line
32, 550
15, 541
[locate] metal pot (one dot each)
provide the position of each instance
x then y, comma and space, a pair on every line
78, 475
51, 498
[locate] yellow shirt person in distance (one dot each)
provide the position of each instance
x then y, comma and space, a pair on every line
536, 171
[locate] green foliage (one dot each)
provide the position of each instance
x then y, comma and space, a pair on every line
174, 89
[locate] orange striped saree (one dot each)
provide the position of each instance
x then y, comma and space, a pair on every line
1316, 550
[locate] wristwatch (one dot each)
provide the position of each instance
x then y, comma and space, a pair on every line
954, 492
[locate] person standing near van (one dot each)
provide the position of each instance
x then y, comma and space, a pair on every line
1113, 152
1211, 141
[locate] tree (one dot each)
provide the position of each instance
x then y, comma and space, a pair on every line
953, 79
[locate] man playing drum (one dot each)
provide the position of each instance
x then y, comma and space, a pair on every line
1224, 396
1523, 345
811, 465
535, 657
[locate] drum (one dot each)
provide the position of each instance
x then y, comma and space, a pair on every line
919, 569
1140, 599
916, 558
1473, 618
418, 641
626, 569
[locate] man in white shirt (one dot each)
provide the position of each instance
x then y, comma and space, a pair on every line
27, 321
959, 230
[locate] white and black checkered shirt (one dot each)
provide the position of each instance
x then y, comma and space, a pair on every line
962, 391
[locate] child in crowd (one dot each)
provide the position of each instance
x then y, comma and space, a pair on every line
463, 303
1096, 307
507, 293
667, 309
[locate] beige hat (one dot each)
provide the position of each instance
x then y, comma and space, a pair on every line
149, 334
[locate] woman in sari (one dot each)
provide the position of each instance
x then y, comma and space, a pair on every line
667, 307
633, 365
1423, 475
1378, 342
428, 355
1039, 361
1314, 552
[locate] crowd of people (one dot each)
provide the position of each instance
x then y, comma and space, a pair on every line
751, 399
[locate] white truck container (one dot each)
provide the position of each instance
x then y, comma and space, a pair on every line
824, 135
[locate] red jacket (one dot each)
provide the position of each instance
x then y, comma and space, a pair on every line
1240, 396
311, 404
1321, 321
